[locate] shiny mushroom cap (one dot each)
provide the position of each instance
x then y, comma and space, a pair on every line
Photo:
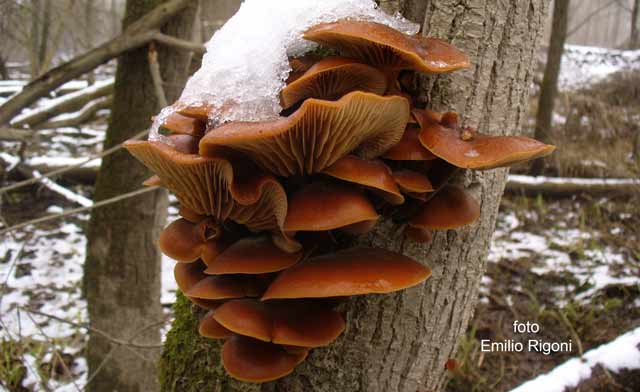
210, 328
450, 208
409, 148
184, 241
384, 47
252, 360
252, 255
372, 174
326, 206
301, 324
331, 78
220, 287
179, 124
317, 134
348, 272
469, 149
411, 181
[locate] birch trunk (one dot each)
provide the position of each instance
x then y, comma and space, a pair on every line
400, 342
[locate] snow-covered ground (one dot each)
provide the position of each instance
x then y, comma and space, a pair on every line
586, 65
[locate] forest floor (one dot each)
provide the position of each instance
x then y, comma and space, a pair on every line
571, 265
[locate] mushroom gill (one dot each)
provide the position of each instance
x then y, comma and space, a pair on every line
317, 134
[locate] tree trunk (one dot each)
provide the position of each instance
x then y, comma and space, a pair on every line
122, 269
400, 342
549, 88
634, 42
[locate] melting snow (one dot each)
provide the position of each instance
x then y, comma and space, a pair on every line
622, 353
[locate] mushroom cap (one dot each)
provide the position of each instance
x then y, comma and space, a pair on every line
359, 228
252, 360
188, 275
177, 123
184, 241
198, 111
217, 186
418, 234
409, 148
219, 287
373, 174
309, 207
450, 208
348, 272
210, 328
186, 144
317, 134
481, 151
331, 78
384, 47
252, 255
292, 323
411, 181
152, 181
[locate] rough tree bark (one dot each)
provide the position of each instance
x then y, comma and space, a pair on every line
400, 342
549, 88
122, 269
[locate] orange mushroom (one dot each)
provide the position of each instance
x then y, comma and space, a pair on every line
177, 123
331, 78
450, 208
348, 272
252, 255
220, 287
210, 328
252, 360
309, 208
412, 182
216, 186
383, 47
302, 324
409, 148
185, 241
418, 234
317, 134
469, 149
372, 174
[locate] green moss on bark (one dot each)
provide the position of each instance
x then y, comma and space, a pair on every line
190, 362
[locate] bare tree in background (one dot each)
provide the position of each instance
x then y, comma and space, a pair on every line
634, 42
122, 268
401, 342
549, 89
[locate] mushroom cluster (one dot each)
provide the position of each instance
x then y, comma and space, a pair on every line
267, 208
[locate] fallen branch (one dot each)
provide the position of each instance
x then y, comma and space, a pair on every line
80, 117
136, 35
571, 186
78, 210
15, 134
65, 104
178, 43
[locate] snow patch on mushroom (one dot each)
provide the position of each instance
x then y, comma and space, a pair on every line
246, 63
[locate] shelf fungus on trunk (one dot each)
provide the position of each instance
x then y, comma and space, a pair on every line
260, 200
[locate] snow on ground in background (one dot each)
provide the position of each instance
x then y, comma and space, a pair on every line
57, 101
597, 266
585, 65
622, 353
246, 63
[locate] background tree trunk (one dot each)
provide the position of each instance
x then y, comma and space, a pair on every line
122, 270
634, 42
400, 342
549, 89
